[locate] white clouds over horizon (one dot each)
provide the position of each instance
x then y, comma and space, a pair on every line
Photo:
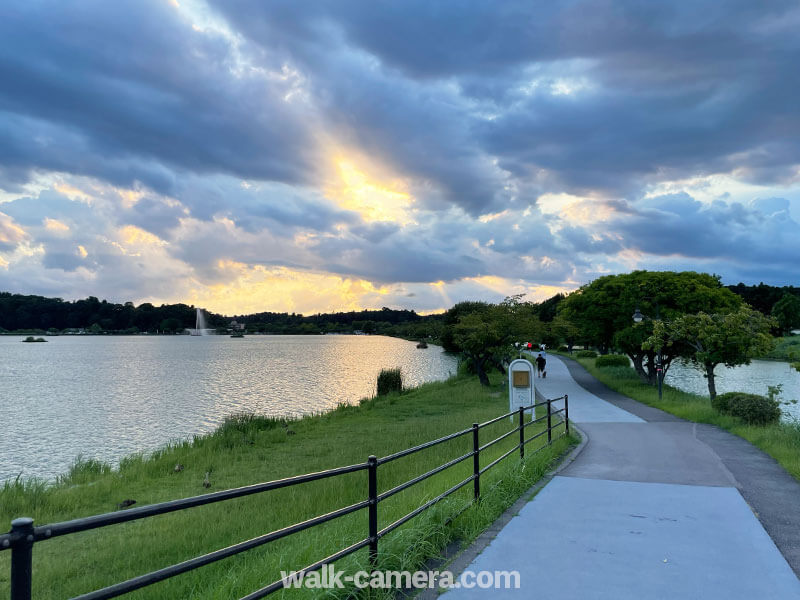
247, 156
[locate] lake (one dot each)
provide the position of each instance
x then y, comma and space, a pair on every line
754, 378
105, 397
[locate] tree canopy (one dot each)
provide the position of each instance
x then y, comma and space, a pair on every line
602, 310
485, 333
787, 312
731, 338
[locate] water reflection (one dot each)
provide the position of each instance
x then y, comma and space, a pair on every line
754, 378
106, 397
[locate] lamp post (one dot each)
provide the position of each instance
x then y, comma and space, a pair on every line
638, 317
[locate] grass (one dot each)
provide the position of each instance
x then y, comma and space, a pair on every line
781, 441
786, 348
249, 449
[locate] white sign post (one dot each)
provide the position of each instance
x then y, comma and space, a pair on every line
521, 391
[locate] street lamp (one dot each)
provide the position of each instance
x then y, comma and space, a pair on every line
638, 317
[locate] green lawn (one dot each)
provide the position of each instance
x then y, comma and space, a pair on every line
252, 450
781, 441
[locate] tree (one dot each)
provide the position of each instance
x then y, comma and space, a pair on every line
787, 312
484, 333
708, 340
563, 330
170, 325
602, 310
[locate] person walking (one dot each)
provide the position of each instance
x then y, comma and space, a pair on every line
541, 363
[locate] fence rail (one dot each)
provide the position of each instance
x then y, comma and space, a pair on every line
23, 535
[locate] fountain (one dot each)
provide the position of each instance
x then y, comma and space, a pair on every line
200, 327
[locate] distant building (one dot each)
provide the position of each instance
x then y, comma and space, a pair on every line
236, 326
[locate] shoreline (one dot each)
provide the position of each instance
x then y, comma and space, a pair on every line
257, 449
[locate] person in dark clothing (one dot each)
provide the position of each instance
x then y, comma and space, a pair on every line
541, 363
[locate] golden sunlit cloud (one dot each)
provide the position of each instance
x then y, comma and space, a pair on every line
3, 263
255, 288
72, 192
82, 252
134, 236
492, 217
10, 232
55, 225
576, 209
359, 186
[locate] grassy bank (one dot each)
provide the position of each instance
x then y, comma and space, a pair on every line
781, 441
252, 449
786, 348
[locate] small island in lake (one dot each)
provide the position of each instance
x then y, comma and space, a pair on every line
30, 338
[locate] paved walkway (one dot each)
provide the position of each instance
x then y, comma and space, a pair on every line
653, 507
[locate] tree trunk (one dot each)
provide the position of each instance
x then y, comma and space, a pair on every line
499, 366
638, 365
712, 386
652, 371
482, 376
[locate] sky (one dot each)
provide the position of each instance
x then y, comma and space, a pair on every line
246, 156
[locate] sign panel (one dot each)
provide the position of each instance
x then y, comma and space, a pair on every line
521, 379
521, 390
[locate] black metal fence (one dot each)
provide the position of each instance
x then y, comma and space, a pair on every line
24, 535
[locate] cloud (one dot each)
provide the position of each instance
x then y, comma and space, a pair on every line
418, 153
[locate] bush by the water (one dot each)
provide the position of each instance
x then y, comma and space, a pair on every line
586, 354
612, 360
751, 408
720, 401
390, 380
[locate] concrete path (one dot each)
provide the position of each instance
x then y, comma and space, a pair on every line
583, 407
654, 507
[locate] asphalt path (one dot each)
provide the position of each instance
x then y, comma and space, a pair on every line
652, 507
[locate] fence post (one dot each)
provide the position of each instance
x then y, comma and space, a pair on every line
566, 412
372, 470
521, 433
549, 423
21, 558
476, 463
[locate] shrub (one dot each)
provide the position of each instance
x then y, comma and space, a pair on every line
612, 360
751, 408
720, 401
563, 349
586, 354
390, 380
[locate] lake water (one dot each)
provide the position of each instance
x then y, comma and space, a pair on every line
106, 397
754, 378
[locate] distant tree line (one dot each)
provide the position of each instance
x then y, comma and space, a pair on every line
763, 297
29, 313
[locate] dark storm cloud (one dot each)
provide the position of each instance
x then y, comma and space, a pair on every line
120, 90
476, 108
679, 88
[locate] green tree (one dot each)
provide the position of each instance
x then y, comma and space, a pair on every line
602, 310
787, 312
708, 340
563, 330
170, 325
485, 333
